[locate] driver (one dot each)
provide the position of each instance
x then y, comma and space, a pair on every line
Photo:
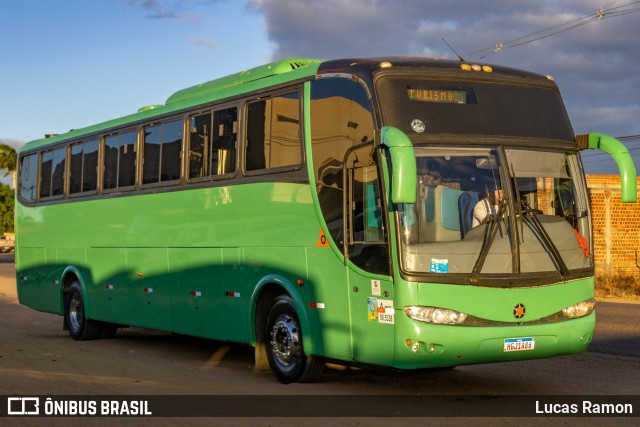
487, 208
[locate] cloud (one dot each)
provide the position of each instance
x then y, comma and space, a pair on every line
204, 43
595, 64
164, 9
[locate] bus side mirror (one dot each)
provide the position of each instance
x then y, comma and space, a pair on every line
622, 157
403, 164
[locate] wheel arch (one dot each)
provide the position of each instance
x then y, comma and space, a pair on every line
267, 289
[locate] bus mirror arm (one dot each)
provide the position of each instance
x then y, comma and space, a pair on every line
622, 157
403, 163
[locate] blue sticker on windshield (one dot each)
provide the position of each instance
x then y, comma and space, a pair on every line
439, 265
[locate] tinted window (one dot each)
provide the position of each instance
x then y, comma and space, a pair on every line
212, 143
29, 177
52, 173
84, 167
162, 146
273, 133
341, 117
45, 174
120, 160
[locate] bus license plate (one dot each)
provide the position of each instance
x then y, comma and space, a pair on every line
519, 344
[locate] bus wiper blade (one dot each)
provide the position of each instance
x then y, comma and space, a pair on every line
531, 218
517, 218
489, 237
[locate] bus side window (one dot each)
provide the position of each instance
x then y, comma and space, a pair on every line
83, 176
273, 133
29, 178
223, 150
213, 143
162, 146
199, 137
52, 173
341, 117
120, 160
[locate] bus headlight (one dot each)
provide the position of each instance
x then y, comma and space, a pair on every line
580, 309
440, 316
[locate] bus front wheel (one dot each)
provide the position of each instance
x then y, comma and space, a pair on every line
80, 328
285, 351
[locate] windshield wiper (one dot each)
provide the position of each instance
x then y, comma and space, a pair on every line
489, 235
522, 212
530, 217
515, 240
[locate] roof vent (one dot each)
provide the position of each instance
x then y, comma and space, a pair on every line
149, 107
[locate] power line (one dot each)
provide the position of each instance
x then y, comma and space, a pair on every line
591, 157
629, 138
600, 14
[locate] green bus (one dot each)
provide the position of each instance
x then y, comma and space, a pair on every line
401, 212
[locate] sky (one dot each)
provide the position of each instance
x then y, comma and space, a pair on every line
72, 63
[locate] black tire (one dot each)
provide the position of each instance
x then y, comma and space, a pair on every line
285, 350
80, 328
108, 330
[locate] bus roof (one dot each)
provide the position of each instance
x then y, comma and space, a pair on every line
370, 66
241, 78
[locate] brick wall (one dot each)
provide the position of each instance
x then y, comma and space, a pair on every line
616, 226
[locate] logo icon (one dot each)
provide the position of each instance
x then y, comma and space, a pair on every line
518, 311
418, 126
23, 406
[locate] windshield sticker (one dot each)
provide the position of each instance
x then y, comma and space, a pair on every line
439, 265
418, 126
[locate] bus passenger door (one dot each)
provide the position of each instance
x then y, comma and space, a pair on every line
368, 269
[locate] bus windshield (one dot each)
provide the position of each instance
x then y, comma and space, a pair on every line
494, 211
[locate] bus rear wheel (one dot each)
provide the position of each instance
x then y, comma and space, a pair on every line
285, 350
80, 328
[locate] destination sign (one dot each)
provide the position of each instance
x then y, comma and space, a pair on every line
438, 95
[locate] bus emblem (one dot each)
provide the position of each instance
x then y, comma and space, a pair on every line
518, 311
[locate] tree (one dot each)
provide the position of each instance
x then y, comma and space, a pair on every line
7, 201
8, 159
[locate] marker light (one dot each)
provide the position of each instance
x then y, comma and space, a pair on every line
580, 309
440, 316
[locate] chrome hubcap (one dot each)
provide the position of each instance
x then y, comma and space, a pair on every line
76, 314
285, 340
